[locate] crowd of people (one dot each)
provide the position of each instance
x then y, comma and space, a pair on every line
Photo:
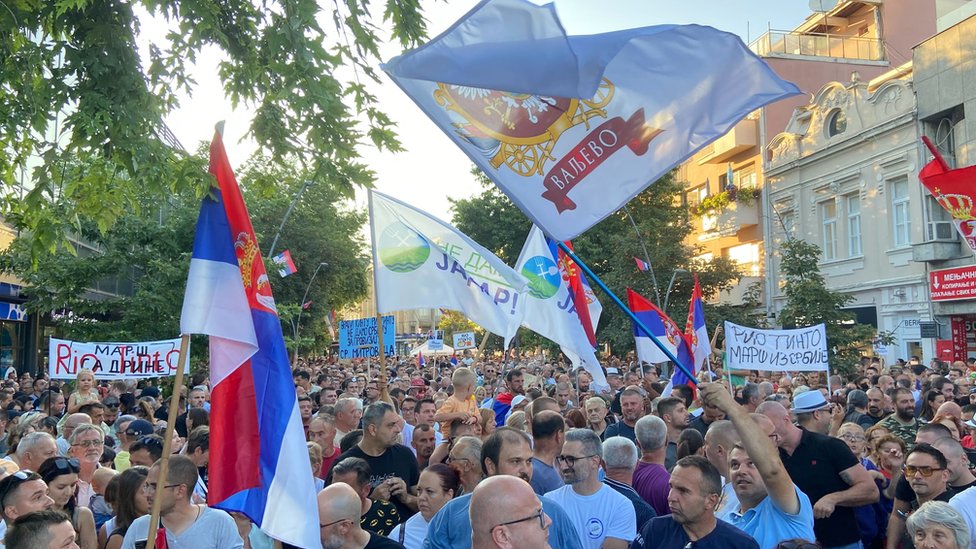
485, 453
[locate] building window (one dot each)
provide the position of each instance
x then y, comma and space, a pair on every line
694, 196
828, 218
746, 256
748, 179
900, 213
788, 221
836, 123
853, 225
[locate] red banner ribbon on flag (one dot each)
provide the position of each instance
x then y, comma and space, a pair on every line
591, 151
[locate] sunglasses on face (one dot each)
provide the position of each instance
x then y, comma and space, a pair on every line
924, 470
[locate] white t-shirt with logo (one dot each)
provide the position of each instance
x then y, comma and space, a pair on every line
605, 514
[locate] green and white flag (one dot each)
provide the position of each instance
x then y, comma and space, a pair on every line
420, 262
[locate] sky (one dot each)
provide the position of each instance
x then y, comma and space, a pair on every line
433, 169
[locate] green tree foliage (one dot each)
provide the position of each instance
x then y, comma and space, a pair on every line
74, 86
608, 248
810, 302
127, 284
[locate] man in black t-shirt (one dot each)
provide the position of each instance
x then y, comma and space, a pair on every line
824, 468
395, 473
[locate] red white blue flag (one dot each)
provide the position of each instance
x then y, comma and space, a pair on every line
666, 331
571, 127
258, 459
642, 265
285, 264
695, 328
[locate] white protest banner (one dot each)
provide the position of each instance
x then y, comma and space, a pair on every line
110, 361
802, 349
464, 340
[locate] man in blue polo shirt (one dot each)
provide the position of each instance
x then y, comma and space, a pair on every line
771, 508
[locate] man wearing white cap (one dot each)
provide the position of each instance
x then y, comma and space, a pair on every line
824, 468
813, 412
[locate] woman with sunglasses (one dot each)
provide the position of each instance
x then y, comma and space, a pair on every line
61, 476
130, 503
438, 485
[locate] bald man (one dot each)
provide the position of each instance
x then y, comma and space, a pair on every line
339, 528
505, 513
826, 470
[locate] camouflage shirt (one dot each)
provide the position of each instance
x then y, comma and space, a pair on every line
897, 428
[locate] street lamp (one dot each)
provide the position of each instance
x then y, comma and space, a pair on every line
298, 321
667, 294
291, 207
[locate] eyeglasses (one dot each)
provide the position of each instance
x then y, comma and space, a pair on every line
924, 470
571, 460
797, 544
540, 515
326, 525
852, 438
152, 486
89, 443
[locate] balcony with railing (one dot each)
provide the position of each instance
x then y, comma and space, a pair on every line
777, 43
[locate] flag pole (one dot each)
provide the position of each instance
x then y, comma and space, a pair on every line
628, 312
384, 390
174, 405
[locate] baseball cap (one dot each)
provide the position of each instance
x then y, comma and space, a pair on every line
139, 427
519, 399
418, 383
150, 392
613, 372
810, 401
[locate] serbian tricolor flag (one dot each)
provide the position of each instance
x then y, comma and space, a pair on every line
420, 359
666, 331
258, 460
642, 265
285, 265
454, 359
695, 328
954, 191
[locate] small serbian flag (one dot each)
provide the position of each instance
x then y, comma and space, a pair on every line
454, 359
285, 265
420, 360
642, 265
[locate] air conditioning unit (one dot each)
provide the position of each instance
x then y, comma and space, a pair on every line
942, 230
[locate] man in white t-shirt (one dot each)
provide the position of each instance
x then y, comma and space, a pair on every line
188, 525
603, 517
965, 503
